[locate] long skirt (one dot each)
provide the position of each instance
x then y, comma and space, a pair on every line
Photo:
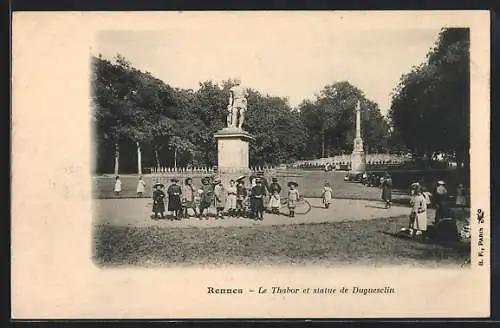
386, 194
420, 221
174, 203
159, 207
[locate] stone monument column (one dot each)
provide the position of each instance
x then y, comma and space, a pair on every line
358, 159
233, 141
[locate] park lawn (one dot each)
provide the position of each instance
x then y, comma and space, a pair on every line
310, 186
358, 242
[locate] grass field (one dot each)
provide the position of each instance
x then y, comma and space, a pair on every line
361, 242
310, 185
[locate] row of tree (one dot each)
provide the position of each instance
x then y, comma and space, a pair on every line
141, 119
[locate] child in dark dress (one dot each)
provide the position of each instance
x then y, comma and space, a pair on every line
158, 201
174, 198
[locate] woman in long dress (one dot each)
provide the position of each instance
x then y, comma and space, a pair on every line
419, 209
174, 198
118, 186
327, 195
141, 185
387, 190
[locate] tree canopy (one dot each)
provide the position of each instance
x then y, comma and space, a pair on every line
430, 105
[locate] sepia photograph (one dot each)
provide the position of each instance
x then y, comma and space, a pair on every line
299, 146
250, 164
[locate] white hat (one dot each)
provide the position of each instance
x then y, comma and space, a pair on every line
441, 182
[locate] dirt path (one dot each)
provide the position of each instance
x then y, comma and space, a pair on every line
137, 212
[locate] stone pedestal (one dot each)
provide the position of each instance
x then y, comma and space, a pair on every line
358, 159
233, 154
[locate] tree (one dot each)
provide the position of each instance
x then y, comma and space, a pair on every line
430, 106
330, 120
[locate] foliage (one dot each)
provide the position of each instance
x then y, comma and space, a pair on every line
330, 120
430, 106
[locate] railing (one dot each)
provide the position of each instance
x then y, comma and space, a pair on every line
195, 171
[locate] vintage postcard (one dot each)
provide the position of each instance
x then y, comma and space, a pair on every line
302, 164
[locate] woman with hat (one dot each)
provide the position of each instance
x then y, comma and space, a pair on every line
188, 194
219, 197
293, 197
387, 190
174, 198
158, 200
206, 194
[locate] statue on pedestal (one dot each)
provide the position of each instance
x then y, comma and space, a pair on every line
237, 106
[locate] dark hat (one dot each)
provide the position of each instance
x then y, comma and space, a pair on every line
174, 180
260, 173
158, 185
293, 183
275, 179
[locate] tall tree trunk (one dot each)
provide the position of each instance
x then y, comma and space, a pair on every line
175, 158
117, 158
157, 159
322, 144
139, 158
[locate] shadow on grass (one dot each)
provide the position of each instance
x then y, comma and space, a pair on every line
330, 244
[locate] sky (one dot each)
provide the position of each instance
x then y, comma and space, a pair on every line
294, 60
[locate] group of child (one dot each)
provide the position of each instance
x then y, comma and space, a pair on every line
236, 198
